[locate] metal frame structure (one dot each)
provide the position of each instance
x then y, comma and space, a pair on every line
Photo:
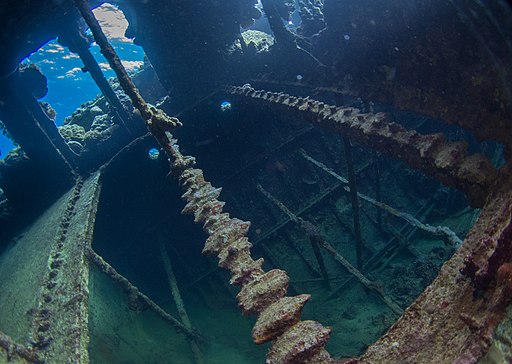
454, 320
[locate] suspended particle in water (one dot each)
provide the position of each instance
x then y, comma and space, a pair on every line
153, 153
346, 37
225, 106
299, 78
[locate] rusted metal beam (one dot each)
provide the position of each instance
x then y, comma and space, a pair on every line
262, 293
313, 202
444, 232
430, 153
328, 192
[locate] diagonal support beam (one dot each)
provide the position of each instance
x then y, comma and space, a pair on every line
262, 293
430, 153
139, 299
73, 38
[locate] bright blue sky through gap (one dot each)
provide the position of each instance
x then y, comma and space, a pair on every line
68, 85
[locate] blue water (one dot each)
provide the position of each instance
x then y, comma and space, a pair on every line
68, 85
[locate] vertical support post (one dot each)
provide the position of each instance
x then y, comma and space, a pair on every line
355, 203
315, 244
376, 185
198, 356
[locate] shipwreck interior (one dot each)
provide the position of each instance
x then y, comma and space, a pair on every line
313, 181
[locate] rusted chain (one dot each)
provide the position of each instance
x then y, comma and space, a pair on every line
262, 293
430, 153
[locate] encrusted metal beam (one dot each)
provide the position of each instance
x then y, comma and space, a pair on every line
180, 305
485, 123
59, 328
156, 120
14, 349
137, 299
430, 153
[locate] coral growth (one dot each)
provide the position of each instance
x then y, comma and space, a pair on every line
258, 41
72, 132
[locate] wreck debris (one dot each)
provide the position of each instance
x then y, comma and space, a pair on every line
430, 153
176, 295
137, 299
310, 204
399, 240
312, 230
15, 349
287, 41
315, 245
374, 286
486, 274
442, 231
284, 38
208, 211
